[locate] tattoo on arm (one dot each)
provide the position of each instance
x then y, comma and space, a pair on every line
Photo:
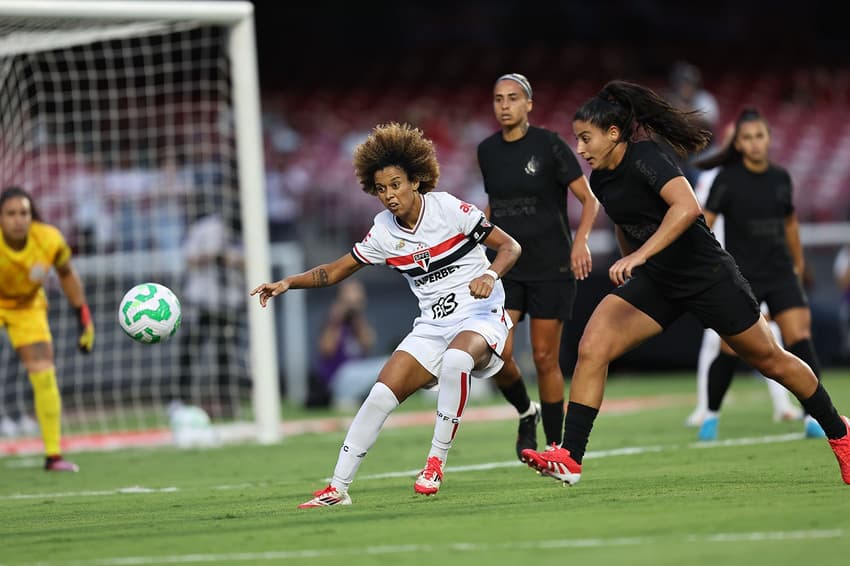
320, 277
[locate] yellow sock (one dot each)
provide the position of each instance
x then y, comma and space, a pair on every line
48, 408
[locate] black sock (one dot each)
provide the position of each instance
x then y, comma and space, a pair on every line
805, 350
578, 423
820, 407
720, 375
553, 418
517, 395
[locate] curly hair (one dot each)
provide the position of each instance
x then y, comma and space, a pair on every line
399, 145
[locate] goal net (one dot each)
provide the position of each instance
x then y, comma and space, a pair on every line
134, 125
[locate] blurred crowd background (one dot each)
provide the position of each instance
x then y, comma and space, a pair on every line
329, 75
329, 72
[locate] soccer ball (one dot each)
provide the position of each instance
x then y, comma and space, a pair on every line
150, 313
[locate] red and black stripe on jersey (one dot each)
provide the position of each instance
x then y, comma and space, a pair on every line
440, 255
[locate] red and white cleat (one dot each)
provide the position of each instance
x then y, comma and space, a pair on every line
430, 479
327, 497
554, 462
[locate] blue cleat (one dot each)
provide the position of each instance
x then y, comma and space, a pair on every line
813, 428
708, 429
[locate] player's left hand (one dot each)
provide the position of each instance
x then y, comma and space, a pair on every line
86, 341
621, 270
481, 286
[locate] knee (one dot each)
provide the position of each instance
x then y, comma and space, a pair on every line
594, 349
545, 358
772, 363
454, 359
382, 398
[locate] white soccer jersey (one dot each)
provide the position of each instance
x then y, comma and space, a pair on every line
438, 257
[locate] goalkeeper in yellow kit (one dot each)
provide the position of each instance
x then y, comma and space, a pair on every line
28, 249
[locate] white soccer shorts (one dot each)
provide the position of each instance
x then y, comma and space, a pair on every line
427, 342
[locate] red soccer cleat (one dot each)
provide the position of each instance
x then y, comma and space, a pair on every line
327, 497
841, 448
554, 462
429, 480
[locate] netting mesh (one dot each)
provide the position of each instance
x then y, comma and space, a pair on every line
123, 133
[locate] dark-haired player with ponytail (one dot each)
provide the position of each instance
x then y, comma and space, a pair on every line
762, 234
29, 248
671, 264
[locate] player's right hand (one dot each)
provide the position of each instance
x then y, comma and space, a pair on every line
269, 290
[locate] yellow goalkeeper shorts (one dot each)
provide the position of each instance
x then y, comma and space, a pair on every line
26, 326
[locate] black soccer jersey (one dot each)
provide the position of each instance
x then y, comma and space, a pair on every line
754, 206
526, 181
630, 194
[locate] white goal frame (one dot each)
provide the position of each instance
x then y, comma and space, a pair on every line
239, 17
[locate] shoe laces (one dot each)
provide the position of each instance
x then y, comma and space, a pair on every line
433, 469
330, 490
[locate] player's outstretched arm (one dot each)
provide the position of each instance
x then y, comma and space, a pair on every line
320, 276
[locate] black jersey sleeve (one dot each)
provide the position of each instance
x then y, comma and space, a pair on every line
654, 165
567, 167
716, 201
479, 155
785, 193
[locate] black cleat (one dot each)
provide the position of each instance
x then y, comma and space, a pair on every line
526, 437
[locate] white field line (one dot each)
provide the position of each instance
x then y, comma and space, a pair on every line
438, 550
627, 451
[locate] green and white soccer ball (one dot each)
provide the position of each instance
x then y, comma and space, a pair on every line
150, 313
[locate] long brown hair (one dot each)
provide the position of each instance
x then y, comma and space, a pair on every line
728, 154
632, 107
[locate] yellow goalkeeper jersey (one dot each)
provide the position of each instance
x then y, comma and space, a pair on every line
23, 272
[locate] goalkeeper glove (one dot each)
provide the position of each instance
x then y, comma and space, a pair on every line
86, 341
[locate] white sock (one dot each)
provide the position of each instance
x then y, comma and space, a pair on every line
455, 380
779, 396
362, 434
707, 352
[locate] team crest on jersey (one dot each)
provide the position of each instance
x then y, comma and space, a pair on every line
422, 259
37, 273
532, 167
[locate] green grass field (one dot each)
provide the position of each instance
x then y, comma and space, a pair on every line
766, 498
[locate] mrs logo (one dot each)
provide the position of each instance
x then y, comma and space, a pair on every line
532, 166
422, 259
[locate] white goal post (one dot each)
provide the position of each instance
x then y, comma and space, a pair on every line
51, 26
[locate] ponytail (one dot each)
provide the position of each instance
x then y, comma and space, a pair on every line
632, 107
